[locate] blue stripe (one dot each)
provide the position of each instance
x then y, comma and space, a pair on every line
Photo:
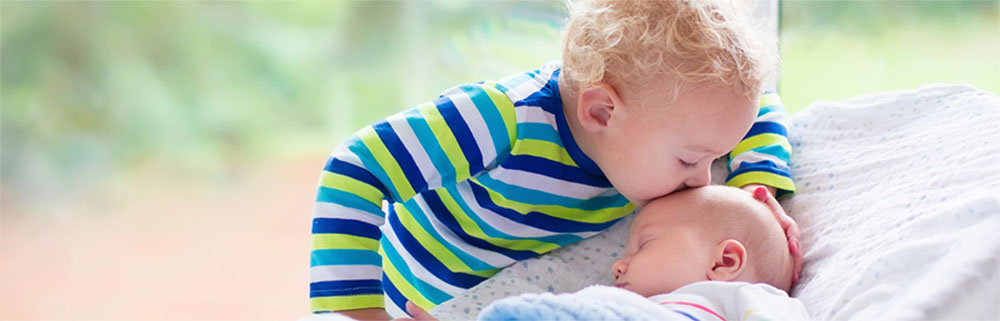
538, 131
546, 97
400, 155
428, 261
433, 148
492, 117
538, 197
535, 219
554, 169
422, 218
766, 127
462, 134
354, 201
761, 166
342, 226
774, 150
569, 143
394, 295
344, 257
426, 290
338, 166
344, 288
368, 161
561, 239
434, 202
687, 315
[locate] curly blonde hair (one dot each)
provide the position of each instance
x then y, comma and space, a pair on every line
701, 42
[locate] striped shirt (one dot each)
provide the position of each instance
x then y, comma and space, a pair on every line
485, 175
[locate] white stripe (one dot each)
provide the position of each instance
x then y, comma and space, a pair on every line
333, 210
773, 116
497, 221
346, 155
548, 184
417, 268
751, 156
534, 114
490, 257
474, 119
530, 87
409, 138
609, 192
394, 311
344, 272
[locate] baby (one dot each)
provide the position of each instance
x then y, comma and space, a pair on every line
687, 255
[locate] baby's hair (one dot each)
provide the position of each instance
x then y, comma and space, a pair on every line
763, 249
701, 42
753, 225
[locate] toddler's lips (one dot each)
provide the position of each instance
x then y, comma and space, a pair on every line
621, 285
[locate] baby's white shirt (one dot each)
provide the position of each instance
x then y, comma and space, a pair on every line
715, 300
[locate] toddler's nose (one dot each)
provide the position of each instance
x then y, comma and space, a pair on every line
700, 177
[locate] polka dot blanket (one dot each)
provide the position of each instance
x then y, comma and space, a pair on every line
898, 202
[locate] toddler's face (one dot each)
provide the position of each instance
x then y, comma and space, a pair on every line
656, 149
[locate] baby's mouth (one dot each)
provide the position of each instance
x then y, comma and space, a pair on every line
621, 285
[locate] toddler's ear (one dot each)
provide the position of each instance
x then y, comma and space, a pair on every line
729, 259
595, 106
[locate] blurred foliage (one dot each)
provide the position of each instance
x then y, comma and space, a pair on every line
95, 89
190, 89
833, 50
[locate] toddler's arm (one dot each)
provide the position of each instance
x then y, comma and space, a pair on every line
432, 145
763, 154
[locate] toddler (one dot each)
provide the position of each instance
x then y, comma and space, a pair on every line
706, 253
648, 93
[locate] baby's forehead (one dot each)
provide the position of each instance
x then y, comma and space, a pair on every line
703, 203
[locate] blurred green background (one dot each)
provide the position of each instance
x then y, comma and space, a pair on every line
134, 116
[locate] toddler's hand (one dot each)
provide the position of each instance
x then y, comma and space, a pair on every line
417, 313
766, 194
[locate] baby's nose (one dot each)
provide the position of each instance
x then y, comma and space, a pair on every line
618, 269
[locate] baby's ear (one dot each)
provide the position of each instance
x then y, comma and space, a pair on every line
729, 259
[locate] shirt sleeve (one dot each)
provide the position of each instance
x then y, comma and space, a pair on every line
762, 157
429, 146
761, 302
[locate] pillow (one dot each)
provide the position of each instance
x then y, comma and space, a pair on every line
898, 201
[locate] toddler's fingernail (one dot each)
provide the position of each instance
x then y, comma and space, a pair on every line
760, 194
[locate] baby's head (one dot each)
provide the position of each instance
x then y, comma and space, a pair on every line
715, 233
650, 80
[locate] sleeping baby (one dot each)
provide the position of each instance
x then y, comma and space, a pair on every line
707, 253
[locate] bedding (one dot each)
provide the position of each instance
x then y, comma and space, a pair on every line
709, 300
898, 202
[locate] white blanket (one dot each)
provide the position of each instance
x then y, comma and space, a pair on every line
899, 204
